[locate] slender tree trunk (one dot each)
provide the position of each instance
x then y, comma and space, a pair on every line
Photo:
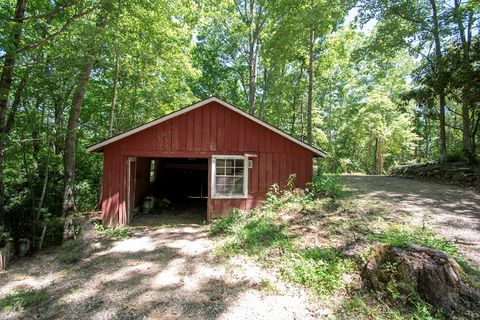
310, 85
467, 141
264, 93
114, 95
5, 85
69, 156
368, 155
442, 96
71, 136
378, 156
302, 121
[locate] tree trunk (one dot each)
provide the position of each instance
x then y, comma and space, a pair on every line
310, 86
79, 92
378, 156
71, 136
5, 86
114, 95
467, 139
442, 99
264, 94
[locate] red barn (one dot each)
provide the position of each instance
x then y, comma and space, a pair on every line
210, 152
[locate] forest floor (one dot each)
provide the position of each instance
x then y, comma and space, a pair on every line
158, 272
452, 212
174, 271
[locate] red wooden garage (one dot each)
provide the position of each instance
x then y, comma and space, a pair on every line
210, 152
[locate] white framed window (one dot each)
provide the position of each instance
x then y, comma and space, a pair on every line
229, 177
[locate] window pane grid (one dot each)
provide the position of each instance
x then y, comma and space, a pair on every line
229, 176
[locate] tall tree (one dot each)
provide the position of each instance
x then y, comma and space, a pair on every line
74, 117
6, 78
253, 14
301, 28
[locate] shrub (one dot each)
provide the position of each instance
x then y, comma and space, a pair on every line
23, 299
327, 186
322, 270
4, 236
113, 233
53, 232
226, 224
257, 236
71, 251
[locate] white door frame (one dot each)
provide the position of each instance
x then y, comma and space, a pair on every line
129, 204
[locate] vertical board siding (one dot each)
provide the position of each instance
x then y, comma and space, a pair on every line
211, 129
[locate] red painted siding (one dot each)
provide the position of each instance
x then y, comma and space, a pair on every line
203, 132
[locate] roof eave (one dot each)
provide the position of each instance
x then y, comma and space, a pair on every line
98, 147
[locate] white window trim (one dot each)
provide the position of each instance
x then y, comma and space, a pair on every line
214, 194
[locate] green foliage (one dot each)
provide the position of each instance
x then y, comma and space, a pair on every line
71, 251
53, 232
322, 270
256, 236
114, 232
402, 237
24, 299
226, 224
364, 307
327, 185
4, 236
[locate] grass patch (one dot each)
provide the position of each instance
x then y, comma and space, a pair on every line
402, 237
328, 186
226, 225
114, 233
71, 251
256, 236
361, 306
268, 286
23, 299
322, 270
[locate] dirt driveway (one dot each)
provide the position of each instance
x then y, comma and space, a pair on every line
162, 272
452, 212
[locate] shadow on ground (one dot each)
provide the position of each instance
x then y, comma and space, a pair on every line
159, 273
452, 211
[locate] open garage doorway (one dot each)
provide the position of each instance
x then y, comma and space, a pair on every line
170, 190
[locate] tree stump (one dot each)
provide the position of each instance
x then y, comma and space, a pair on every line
417, 271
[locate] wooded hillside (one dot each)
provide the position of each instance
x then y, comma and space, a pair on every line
372, 83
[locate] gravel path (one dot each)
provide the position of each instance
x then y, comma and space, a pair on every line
159, 273
454, 213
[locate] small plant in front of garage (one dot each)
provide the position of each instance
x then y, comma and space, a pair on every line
113, 233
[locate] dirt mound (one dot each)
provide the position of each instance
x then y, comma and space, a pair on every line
417, 272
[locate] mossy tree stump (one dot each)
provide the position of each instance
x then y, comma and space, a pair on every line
416, 272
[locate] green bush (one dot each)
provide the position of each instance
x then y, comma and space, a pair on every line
71, 251
53, 232
113, 233
256, 237
327, 186
226, 224
23, 299
456, 155
4, 236
322, 270
252, 233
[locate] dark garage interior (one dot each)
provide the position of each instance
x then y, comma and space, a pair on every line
178, 185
